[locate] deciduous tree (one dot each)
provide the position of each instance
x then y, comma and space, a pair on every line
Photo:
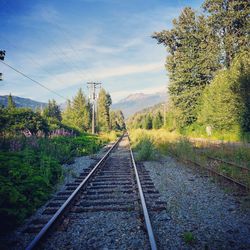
191, 62
229, 20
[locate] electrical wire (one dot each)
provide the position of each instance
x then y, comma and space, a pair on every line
30, 58
35, 81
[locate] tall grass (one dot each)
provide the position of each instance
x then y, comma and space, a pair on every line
145, 149
199, 131
152, 142
109, 136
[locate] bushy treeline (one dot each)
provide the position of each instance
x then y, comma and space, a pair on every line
146, 120
208, 67
78, 113
34, 144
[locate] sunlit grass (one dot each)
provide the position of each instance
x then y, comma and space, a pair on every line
172, 144
109, 136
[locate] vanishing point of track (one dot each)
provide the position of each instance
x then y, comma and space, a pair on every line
115, 183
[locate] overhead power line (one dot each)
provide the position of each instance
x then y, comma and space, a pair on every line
29, 57
35, 81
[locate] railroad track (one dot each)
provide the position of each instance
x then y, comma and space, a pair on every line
114, 184
217, 173
246, 169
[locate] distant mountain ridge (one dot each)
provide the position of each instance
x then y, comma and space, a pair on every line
22, 102
138, 101
129, 105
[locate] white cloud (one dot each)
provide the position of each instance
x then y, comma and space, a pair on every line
100, 74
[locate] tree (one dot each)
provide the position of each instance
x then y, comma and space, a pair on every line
117, 120
52, 111
157, 121
226, 102
81, 111
20, 119
77, 114
67, 115
191, 63
11, 104
103, 107
148, 122
229, 19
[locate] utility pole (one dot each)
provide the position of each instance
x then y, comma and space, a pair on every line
2, 55
93, 97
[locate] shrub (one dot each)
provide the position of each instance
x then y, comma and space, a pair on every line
225, 102
145, 149
29, 175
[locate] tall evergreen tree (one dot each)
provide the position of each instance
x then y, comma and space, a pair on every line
148, 122
81, 114
103, 107
157, 121
191, 63
229, 20
117, 120
11, 104
53, 111
67, 115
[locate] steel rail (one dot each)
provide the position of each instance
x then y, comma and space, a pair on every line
228, 163
219, 174
43, 232
144, 206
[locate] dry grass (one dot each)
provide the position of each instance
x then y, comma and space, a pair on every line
109, 136
182, 148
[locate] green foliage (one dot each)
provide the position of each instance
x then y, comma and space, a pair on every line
117, 120
170, 122
198, 47
145, 149
11, 104
148, 118
157, 121
16, 120
148, 122
103, 107
27, 178
229, 20
188, 237
77, 113
52, 111
191, 63
182, 149
226, 102
29, 174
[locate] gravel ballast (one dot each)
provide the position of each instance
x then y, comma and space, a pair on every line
100, 230
199, 214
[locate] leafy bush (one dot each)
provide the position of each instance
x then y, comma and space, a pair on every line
226, 101
145, 149
27, 178
15, 120
29, 172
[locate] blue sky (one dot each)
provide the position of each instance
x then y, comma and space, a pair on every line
63, 44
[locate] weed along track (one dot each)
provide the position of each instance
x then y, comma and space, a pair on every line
107, 206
